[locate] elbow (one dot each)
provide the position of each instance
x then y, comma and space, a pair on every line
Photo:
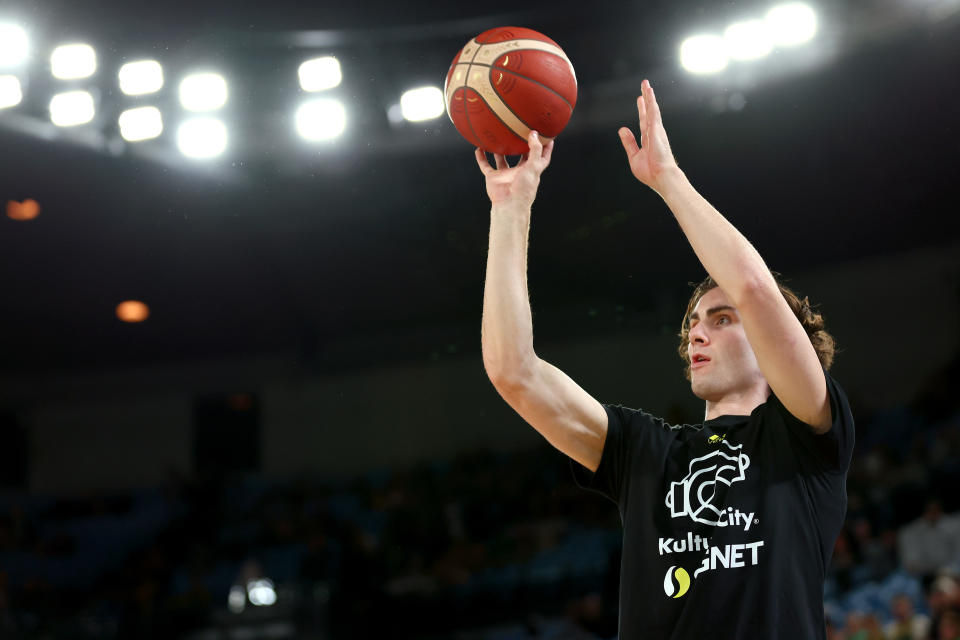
758, 286
509, 373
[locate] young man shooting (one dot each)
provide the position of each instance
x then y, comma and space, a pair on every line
729, 524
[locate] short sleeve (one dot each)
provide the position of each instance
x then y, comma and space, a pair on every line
608, 479
833, 450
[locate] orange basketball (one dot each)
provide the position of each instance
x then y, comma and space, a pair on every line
504, 83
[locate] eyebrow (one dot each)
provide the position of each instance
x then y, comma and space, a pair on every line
710, 312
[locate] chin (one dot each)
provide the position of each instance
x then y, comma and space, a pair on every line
711, 387
703, 389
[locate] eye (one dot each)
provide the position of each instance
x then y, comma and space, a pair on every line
722, 318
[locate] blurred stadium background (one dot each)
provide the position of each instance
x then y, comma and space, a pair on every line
241, 393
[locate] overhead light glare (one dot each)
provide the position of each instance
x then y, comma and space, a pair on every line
14, 45
73, 62
71, 108
424, 103
319, 74
10, 93
703, 54
791, 24
203, 92
321, 119
747, 40
202, 138
142, 123
141, 77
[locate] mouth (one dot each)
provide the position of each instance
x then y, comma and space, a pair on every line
699, 361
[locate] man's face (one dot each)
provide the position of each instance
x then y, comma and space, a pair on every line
716, 333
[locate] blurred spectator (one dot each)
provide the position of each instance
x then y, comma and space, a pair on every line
833, 632
943, 598
949, 627
929, 542
906, 624
876, 554
843, 561
863, 626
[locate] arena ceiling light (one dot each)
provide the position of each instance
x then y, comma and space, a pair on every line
132, 311
704, 54
791, 24
319, 74
73, 61
747, 40
203, 92
141, 77
71, 108
424, 103
14, 45
202, 138
10, 93
142, 123
261, 592
321, 119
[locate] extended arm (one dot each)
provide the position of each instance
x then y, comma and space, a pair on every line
566, 415
784, 352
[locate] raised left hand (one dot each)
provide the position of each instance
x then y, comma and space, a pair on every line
652, 159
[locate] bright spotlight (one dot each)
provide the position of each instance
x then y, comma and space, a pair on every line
703, 54
203, 92
202, 138
73, 61
138, 78
320, 73
10, 93
14, 45
236, 599
71, 108
321, 119
422, 104
790, 24
142, 123
747, 40
261, 592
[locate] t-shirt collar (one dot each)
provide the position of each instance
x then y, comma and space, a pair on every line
729, 420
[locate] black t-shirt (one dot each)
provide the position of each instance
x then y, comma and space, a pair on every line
729, 525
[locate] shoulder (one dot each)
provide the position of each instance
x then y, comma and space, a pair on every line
638, 418
833, 446
839, 407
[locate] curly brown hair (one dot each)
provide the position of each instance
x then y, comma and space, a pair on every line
823, 343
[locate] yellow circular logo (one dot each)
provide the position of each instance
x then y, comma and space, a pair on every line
682, 579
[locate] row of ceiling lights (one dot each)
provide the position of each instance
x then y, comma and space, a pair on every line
318, 119
323, 118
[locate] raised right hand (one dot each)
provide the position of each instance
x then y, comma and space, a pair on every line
517, 184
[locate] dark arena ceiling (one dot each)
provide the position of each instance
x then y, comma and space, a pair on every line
373, 246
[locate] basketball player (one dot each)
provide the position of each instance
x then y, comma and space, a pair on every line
729, 524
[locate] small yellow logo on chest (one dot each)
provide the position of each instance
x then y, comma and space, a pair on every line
714, 439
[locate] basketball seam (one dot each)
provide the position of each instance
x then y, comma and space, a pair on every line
567, 102
466, 114
466, 79
510, 109
494, 114
549, 53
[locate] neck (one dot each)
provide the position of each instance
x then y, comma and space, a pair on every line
737, 404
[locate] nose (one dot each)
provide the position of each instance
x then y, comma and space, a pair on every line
698, 335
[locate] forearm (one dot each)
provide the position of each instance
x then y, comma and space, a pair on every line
723, 251
507, 325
